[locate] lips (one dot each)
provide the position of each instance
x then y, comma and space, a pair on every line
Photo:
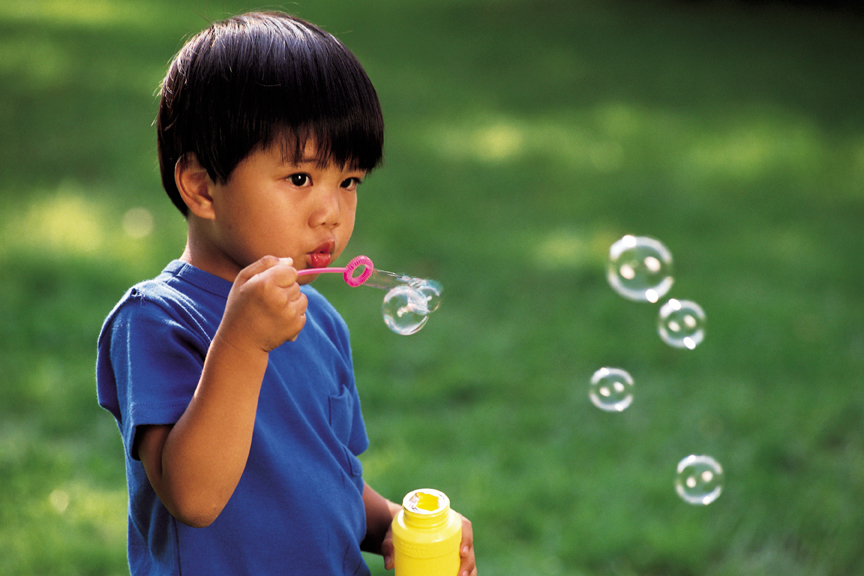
321, 256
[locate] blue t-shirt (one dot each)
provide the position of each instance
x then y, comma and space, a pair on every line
298, 508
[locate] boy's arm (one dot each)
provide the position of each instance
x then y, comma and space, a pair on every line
379, 536
195, 465
379, 515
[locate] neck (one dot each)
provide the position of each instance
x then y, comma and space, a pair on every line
200, 253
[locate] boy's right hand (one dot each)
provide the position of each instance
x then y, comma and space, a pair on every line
265, 306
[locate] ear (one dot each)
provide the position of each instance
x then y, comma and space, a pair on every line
195, 186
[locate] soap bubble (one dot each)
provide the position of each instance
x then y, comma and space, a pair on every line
681, 323
384, 280
611, 389
429, 289
640, 268
699, 480
405, 310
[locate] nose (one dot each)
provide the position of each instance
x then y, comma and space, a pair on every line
328, 209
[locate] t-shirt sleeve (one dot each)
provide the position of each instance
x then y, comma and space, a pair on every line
148, 366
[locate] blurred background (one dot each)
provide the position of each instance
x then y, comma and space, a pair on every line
523, 138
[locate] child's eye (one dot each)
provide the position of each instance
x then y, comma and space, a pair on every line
351, 183
299, 179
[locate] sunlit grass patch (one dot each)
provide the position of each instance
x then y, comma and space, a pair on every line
68, 222
73, 222
63, 518
89, 13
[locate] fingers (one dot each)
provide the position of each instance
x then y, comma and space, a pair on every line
274, 279
271, 272
268, 298
467, 565
387, 550
284, 274
279, 270
260, 266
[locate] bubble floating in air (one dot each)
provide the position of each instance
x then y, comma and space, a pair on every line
405, 310
611, 389
640, 268
681, 323
699, 480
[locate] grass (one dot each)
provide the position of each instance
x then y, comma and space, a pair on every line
524, 138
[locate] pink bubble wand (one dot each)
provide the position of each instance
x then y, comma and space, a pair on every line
347, 272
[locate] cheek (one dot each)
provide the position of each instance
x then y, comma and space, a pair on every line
349, 211
346, 228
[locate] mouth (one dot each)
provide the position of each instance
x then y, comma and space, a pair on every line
321, 256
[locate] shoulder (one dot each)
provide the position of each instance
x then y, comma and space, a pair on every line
324, 317
150, 298
165, 299
318, 303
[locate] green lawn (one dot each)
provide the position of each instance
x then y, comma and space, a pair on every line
523, 138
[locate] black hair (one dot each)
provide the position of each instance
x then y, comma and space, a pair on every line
263, 79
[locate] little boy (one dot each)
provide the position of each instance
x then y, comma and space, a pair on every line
232, 386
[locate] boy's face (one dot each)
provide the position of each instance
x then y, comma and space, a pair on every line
271, 206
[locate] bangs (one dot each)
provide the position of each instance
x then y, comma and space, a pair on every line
293, 148
354, 149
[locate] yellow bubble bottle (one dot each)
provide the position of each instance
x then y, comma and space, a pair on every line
426, 535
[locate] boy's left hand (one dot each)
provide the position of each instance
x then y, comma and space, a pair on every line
466, 551
467, 566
